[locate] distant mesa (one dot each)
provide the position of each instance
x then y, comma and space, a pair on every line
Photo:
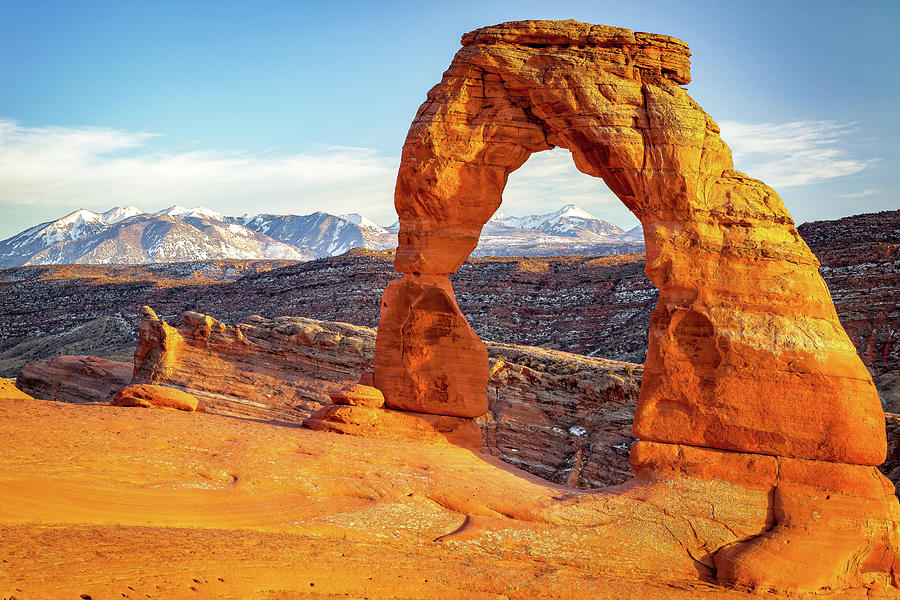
128, 235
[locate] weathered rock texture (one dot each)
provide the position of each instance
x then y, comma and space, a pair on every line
113, 502
861, 263
440, 365
745, 353
564, 417
9, 391
74, 379
281, 368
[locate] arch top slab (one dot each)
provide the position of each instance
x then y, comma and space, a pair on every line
745, 349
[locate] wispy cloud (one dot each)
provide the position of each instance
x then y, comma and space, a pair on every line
861, 194
795, 153
48, 168
101, 167
96, 167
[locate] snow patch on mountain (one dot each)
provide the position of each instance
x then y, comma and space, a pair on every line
358, 219
199, 212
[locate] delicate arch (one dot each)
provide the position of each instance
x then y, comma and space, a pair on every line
745, 348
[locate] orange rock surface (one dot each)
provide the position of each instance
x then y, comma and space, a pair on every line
173, 505
357, 394
156, 395
759, 425
746, 351
8, 391
427, 358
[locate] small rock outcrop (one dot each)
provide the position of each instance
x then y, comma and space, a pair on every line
145, 396
280, 368
75, 379
358, 394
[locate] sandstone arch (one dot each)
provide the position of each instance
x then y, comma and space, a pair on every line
745, 351
758, 424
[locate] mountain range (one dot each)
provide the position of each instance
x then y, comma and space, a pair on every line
128, 235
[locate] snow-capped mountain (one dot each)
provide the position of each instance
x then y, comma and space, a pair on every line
321, 234
197, 212
358, 219
131, 236
569, 230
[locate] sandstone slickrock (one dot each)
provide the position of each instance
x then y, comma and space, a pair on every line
145, 396
384, 423
9, 391
745, 353
74, 378
197, 505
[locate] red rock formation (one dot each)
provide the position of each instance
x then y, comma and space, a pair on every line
740, 291
561, 416
746, 352
390, 424
145, 396
74, 378
281, 368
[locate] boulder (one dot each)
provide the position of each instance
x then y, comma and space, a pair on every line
145, 396
357, 394
76, 379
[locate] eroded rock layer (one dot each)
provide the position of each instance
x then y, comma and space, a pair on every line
275, 368
599, 306
745, 345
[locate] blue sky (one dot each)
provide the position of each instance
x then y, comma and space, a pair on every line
300, 106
